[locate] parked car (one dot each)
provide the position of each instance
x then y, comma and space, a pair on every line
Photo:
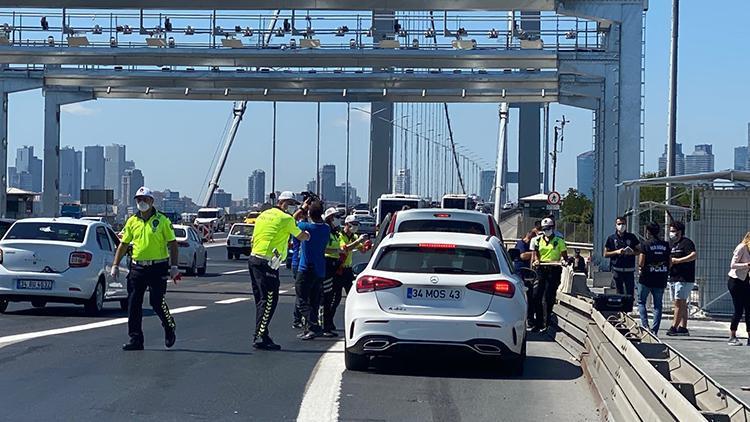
5, 224
65, 260
366, 224
426, 292
240, 240
193, 255
439, 220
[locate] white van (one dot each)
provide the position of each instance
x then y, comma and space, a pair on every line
212, 217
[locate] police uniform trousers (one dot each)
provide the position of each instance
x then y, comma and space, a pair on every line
265, 282
327, 309
308, 288
624, 282
154, 277
342, 281
545, 293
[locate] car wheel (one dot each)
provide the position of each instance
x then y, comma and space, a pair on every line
202, 270
39, 303
194, 267
514, 366
95, 304
355, 362
3, 306
123, 304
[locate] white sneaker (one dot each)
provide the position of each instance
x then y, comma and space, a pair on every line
734, 341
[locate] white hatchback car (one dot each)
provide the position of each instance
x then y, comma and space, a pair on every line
60, 260
193, 255
240, 240
447, 290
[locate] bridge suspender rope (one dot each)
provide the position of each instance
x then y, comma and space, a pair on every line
453, 149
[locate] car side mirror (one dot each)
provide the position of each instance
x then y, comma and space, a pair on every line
528, 275
515, 254
359, 268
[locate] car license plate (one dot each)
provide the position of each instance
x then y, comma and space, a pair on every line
433, 293
34, 284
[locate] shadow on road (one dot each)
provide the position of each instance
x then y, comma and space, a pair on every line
535, 368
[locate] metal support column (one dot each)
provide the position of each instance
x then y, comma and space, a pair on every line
51, 185
381, 123
529, 130
8, 86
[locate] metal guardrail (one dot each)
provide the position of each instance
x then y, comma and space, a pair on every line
638, 377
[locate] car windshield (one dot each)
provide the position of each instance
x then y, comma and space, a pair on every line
437, 260
61, 232
208, 214
4, 226
242, 230
366, 220
179, 232
441, 225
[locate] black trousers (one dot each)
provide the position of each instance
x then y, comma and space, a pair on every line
740, 291
154, 277
545, 292
624, 282
265, 283
341, 282
327, 309
308, 287
297, 316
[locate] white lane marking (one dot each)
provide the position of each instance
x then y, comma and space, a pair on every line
214, 245
234, 272
4, 341
321, 399
233, 300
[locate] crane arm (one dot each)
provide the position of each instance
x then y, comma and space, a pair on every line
238, 111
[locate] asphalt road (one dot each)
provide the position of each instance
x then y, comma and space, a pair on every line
57, 364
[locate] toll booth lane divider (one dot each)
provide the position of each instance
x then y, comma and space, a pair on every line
636, 376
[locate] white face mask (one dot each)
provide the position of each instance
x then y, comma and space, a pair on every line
621, 228
549, 233
143, 206
673, 235
336, 222
354, 229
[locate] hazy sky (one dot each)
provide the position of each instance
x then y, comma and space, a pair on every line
173, 141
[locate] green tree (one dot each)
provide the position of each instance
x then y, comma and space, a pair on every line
576, 208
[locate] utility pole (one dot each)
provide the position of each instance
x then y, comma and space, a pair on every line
559, 135
672, 119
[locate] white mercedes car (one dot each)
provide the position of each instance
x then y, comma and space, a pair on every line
430, 290
60, 260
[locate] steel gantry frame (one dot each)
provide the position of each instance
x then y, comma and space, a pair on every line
604, 77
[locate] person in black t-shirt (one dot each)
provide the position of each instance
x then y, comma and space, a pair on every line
653, 264
621, 248
681, 276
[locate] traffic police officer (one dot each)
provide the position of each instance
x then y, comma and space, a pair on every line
154, 249
270, 243
549, 248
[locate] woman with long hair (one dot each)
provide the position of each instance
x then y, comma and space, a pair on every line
739, 288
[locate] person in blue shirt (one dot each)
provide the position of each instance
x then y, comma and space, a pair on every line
312, 270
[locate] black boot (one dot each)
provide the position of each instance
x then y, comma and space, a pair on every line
133, 345
265, 343
169, 338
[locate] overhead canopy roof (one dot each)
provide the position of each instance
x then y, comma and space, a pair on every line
693, 179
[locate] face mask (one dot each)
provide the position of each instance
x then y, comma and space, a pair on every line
621, 228
354, 229
143, 206
549, 233
336, 222
673, 235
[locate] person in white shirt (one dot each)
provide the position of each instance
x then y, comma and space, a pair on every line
739, 287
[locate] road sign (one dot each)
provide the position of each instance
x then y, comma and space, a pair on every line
553, 207
553, 198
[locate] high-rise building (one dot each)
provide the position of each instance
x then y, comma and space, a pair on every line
129, 164
131, 181
71, 166
747, 165
585, 174
256, 187
328, 183
701, 160
740, 158
341, 195
679, 161
93, 172
403, 182
312, 185
486, 184
221, 199
114, 168
28, 171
